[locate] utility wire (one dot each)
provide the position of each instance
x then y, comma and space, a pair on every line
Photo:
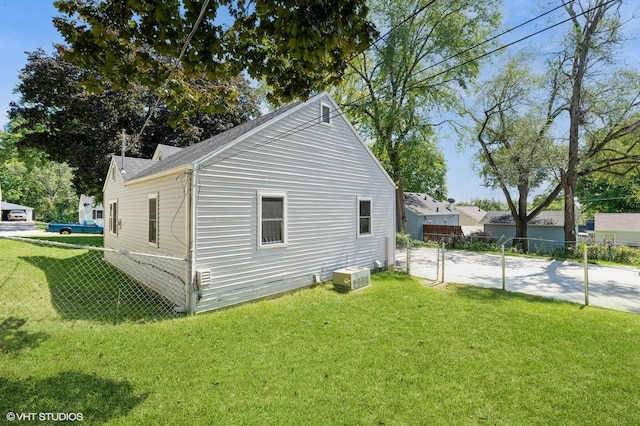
185, 46
312, 122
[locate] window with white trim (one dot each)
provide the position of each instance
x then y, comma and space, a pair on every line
364, 216
153, 227
113, 217
272, 219
325, 114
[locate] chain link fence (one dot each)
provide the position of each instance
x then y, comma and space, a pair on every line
49, 280
604, 275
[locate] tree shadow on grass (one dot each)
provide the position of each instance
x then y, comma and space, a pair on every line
13, 340
85, 287
98, 400
496, 295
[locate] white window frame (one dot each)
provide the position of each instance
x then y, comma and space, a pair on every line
260, 196
155, 196
322, 107
358, 217
113, 219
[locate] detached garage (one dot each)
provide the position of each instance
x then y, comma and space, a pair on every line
7, 207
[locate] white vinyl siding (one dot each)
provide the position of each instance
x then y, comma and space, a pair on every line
133, 233
322, 169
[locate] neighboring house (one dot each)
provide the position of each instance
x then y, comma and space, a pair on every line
545, 232
269, 206
470, 219
89, 210
422, 209
5, 208
617, 228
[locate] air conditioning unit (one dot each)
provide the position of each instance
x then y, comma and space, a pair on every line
203, 277
351, 278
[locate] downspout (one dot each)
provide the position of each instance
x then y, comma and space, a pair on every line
191, 229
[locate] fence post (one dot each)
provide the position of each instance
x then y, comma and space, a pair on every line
586, 276
503, 268
408, 256
438, 264
443, 261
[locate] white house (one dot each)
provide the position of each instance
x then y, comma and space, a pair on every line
89, 210
617, 228
266, 207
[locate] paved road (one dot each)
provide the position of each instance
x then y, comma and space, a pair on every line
609, 287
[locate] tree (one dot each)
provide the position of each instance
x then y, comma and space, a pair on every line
516, 149
485, 204
56, 114
297, 46
395, 87
602, 99
28, 178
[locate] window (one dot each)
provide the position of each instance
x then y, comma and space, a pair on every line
272, 220
325, 113
98, 214
364, 217
113, 217
153, 219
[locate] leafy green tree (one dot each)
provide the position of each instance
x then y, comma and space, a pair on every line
516, 150
394, 89
28, 178
601, 194
600, 97
485, 204
294, 45
56, 114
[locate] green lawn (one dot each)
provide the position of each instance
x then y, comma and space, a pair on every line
395, 353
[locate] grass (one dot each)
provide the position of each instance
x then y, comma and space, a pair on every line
393, 353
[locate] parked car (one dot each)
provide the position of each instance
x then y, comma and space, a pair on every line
17, 215
86, 227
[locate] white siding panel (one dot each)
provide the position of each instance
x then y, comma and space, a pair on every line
166, 277
323, 169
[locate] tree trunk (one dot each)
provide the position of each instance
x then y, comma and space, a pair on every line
521, 242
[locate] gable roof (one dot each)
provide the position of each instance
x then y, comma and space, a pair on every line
544, 218
617, 222
425, 205
194, 152
10, 206
163, 151
138, 170
473, 212
132, 166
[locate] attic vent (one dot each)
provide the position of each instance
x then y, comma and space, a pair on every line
325, 113
203, 277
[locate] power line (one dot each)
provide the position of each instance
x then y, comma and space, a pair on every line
312, 122
175, 67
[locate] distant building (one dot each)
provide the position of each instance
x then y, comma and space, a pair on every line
545, 231
617, 228
89, 210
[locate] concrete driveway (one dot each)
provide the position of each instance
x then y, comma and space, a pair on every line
609, 287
